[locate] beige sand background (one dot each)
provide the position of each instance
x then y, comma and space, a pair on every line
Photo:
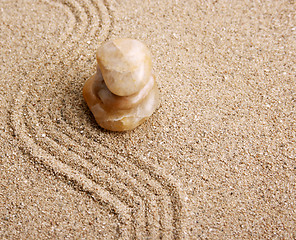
217, 159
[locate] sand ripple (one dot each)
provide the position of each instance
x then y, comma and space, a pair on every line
49, 121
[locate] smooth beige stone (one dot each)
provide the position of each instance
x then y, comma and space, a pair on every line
124, 65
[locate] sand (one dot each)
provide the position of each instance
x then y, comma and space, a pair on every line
215, 161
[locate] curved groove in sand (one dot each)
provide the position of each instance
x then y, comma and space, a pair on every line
106, 16
100, 176
153, 178
159, 182
41, 156
99, 169
88, 20
48, 144
150, 191
81, 17
66, 139
140, 176
69, 28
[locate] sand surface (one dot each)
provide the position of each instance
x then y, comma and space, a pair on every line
215, 161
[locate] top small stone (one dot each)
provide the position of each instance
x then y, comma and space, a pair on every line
125, 65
